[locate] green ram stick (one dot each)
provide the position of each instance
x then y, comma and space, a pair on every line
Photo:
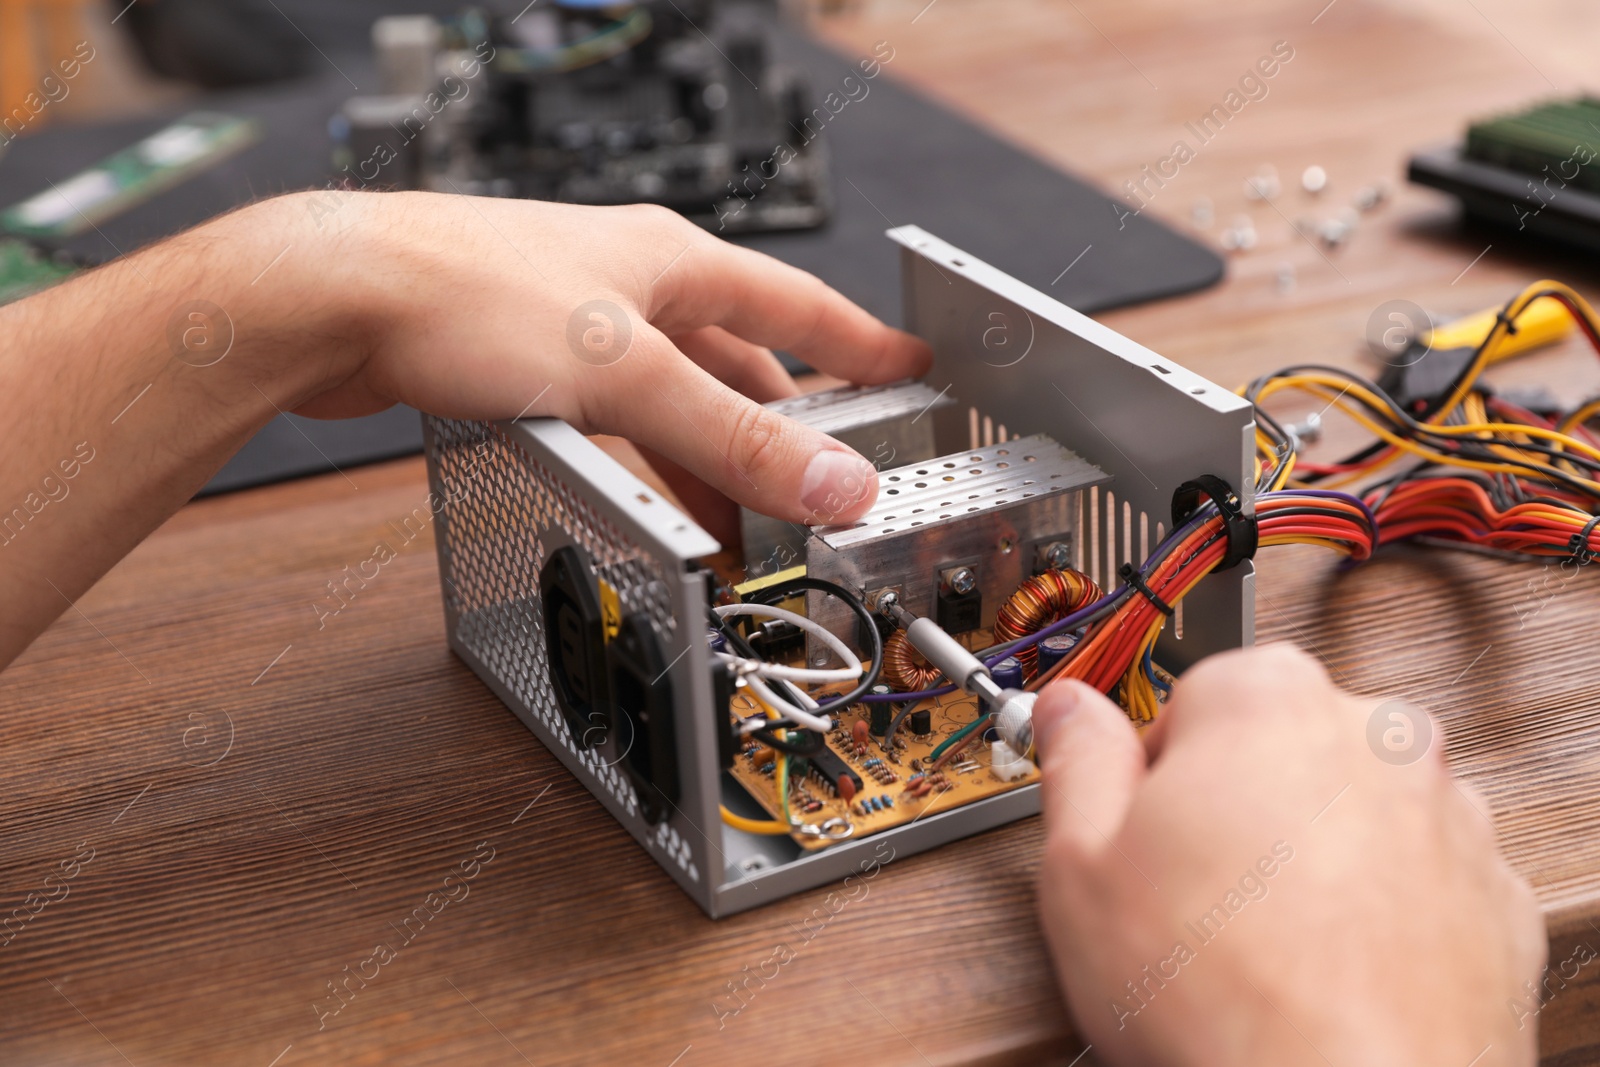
167, 157
1557, 138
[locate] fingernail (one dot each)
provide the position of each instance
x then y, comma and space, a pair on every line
1056, 702
834, 485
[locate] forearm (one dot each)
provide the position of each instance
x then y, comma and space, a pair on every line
124, 390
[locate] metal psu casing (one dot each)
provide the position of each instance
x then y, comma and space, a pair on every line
989, 510
1013, 362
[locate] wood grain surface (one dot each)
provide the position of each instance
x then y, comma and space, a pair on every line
222, 806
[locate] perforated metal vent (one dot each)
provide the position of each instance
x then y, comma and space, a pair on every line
950, 488
505, 513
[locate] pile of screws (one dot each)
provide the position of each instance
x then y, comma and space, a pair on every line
1265, 185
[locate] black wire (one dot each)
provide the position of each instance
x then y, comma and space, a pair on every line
782, 590
1473, 448
1471, 367
787, 746
1281, 455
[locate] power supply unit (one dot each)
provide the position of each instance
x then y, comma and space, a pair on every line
1040, 443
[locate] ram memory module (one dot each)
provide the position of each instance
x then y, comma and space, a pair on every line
1560, 138
131, 176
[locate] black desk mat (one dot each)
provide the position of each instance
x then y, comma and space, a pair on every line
897, 158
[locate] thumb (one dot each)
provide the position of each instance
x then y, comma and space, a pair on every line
1091, 761
755, 456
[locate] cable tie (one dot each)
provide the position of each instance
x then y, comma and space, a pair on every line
1507, 321
1128, 573
1578, 547
1243, 535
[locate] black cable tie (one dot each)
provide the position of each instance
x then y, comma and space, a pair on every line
1507, 321
1578, 547
1243, 535
1130, 574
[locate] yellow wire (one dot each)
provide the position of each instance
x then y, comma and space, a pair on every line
770, 827
1139, 695
1503, 435
1580, 416
754, 826
1319, 386
1540, 290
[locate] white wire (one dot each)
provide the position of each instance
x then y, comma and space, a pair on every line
773, 612
787, 710
790, 674
749, 726
754, 671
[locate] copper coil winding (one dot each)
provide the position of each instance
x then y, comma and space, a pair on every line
904, 668
1038, 602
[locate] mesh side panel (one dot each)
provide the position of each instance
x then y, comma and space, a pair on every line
503, 508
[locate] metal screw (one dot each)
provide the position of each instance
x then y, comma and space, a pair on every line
1264, 184
1307, 432
962, 581
1057, 554
885, 602
1371, 196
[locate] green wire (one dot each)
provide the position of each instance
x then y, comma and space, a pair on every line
783, 788
957, 736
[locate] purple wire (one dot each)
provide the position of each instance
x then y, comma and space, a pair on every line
1077, 617
1335, 494
1070, 622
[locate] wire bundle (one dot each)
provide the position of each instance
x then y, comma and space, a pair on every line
1507, 448
1125, 625
1485, 473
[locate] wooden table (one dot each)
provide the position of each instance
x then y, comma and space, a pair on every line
264, 800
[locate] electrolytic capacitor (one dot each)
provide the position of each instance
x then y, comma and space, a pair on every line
882, 714
1054, 648
1007, 674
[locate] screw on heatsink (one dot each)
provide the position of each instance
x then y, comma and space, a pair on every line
1057, 555
961, 580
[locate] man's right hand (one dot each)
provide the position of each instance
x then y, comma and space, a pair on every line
1253, 882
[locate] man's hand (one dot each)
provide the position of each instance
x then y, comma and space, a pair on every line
1251, 883
628, 321
142, 377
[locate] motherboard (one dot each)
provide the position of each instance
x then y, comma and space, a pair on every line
676, 103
